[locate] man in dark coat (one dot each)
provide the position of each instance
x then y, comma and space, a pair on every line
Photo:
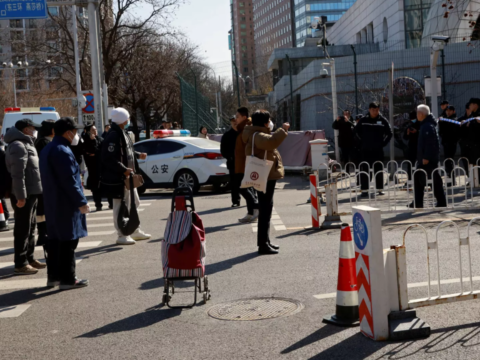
463, 138
105, 132
119, 161
45, 136
91, 154
345, 137
374, 132
411, 135
443, 106
22, 164
227, 148
65, 205
472, 129
449, 131
428, 152
5, 183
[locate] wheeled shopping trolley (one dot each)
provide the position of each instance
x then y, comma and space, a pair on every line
183, 248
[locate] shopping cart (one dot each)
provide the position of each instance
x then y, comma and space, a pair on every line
183, 248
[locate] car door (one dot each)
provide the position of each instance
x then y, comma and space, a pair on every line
150, 148
161, 166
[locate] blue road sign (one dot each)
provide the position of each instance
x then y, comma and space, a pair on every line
360, 231
23, 9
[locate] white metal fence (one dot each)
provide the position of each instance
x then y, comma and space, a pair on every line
399, 185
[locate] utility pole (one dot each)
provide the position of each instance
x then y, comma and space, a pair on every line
196, 99
94, 49
238, 84
356, 80
220, 98
292, 111
77, 66
444, 82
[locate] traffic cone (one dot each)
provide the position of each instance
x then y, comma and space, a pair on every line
346, 313
3, 223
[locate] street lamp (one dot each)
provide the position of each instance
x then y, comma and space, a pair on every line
324, 74
11, 66
439, 43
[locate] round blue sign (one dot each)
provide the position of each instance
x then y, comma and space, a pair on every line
360, 231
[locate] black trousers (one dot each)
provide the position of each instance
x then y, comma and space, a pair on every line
234, 185
97, 197
265, 205
371, 157
249, 194
420, 183
449, 150
5, 209
24, 230
60, 256
345, 155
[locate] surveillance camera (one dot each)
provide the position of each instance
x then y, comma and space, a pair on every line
26, 63
324, 73
19, 64
4, 64
10, 65
444, 39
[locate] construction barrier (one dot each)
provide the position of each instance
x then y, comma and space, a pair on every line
314, 200
346, 312
3, 222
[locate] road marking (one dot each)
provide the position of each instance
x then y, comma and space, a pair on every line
109, 211
85, 244
275, 221
91, 204
101, 233
94, 233
23, 284
99, 218
99, 225
410, 286
13, 311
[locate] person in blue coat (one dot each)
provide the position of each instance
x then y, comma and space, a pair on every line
428, 150
65, 205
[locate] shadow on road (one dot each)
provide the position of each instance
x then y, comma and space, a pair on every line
318, 335
212, 229
26, 295
138, 321
305, 232
100, 250
215, 211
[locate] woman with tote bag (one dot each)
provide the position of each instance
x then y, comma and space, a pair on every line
264, 146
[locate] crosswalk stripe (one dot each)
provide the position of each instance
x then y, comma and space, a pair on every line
99, 218
98, 225
10, 264
107, 212
13, 311
92, 204
85, 244
100, 233
22, 284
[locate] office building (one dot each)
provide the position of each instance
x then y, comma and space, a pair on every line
306, 12
241, 42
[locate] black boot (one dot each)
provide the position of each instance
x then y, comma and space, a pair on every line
42, 233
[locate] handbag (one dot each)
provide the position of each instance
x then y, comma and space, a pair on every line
137, 181
256, 171
128, 220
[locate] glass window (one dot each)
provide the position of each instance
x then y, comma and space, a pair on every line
243, 26
413, 20
414, 39
166, 147
148, 147
53, 10
16, 24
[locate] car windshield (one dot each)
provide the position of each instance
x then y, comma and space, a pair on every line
202, 143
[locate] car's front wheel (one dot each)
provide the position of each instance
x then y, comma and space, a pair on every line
186, 178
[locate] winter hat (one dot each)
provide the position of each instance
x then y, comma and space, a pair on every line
120, 115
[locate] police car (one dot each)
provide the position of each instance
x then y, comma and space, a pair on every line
174, 159
37, 115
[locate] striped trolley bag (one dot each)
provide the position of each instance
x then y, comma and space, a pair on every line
183, 248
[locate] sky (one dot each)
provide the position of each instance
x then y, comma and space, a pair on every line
206, 23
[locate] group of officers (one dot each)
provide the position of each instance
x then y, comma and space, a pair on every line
364, 139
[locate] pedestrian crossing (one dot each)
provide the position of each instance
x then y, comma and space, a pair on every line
275, 222
100, 222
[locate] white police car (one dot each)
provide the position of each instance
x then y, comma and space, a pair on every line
174, 159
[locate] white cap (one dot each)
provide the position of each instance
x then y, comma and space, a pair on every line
120, 115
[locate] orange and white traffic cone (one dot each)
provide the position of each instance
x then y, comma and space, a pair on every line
346, 313
3, 223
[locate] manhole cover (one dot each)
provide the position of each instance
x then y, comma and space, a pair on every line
255, 309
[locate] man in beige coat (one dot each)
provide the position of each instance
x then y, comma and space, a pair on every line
266, 142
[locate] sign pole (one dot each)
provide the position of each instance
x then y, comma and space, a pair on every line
391, 113
92, 28
77, 65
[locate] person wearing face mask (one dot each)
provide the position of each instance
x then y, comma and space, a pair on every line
411, 135
22, 164
65, 205
265, 144
118, 162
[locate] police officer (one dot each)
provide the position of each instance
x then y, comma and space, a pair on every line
449, 132
463, 138
375, 133
411, 135
473, 132
427, 159
444, 105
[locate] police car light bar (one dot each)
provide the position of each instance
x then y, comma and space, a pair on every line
16, 109
159, 134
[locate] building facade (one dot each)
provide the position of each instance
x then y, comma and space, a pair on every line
306, 11
242, 42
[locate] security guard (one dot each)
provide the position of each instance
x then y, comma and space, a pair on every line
375, 133
450, 133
